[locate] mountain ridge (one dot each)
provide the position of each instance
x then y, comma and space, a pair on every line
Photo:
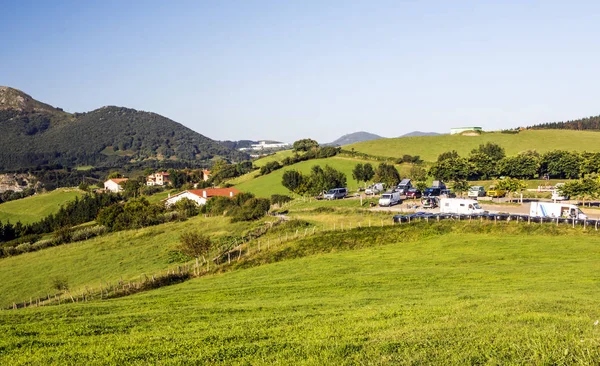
354, 137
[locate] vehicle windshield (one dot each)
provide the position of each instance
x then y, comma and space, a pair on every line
331, 191
385, 196
474, 188
476, 205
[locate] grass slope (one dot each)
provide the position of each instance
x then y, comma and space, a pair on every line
35, 208
265, 186
107, 258
429, 147
455, 299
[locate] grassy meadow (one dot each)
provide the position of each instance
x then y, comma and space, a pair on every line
429, 147
265, 186
34, 208
424, 294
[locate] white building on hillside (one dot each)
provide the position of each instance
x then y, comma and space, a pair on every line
200, 196
266, 145
114, 185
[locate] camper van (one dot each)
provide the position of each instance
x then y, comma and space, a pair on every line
547, 209
404, 186
376, 188
460, 206
389, 198
336, 193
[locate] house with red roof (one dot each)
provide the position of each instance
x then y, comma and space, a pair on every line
114, 185
200, 196
158, 179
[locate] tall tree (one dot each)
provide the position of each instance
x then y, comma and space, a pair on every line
388, 174
305, 145
494, 151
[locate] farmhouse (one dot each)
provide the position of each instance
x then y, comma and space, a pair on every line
158, 179
200, 196
114, 185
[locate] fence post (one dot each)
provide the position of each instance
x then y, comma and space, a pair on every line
557, 221
573, 223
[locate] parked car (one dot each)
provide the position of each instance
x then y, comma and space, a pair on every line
429, 202
404, 186
460, 206
413, 193
494, 192
389, 198
476, 191
374, 189
432, 192
335, 193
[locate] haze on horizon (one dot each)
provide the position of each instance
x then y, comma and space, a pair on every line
289, 70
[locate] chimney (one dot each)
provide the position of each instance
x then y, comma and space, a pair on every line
169, 195
204, 193
230, 194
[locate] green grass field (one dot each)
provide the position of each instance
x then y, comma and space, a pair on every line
265, 186
402, 295
429, 147
35, 208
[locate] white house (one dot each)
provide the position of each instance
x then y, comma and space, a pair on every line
200, 196
158, 179
266, 145
114, 185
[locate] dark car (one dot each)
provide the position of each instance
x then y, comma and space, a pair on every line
432, 192
413, 193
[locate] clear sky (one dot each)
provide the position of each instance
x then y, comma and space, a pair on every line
286, 70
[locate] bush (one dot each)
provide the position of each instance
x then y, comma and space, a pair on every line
280, 199
42, 244
88, 232
23, 248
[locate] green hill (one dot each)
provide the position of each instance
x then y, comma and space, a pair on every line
37, 134
429, 147
266, 185
459, 298
35, 208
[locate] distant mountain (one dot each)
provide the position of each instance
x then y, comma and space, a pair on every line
36, 134
589, 123
352, 138
419, 133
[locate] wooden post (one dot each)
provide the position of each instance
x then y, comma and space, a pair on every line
268, 243
369, 222
334, 226
229, 257
528, 220
557, 221
495, 219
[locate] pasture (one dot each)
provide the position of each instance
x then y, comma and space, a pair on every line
429, 147
436, 294
34, 208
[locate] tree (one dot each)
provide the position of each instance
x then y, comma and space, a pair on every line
448, 155
520, 166
358, 173
418, 173
482, 166
388, 174
368, 172
293, 180
450, 169
586, 188
561, 164
511, 185
114, 175
196, 245
325, 179
305, 145
186, 207
494, 151
460, 186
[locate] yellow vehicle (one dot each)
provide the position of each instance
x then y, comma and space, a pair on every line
495, 193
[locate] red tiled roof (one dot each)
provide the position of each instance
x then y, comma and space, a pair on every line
211, 192
119, 180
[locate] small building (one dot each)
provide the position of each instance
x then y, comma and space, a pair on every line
200, 196
158, 179
460, 130
206, 174
267, 145
114, 185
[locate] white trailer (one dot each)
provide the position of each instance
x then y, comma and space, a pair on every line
460, 206
389, 198
548, 209
374, 189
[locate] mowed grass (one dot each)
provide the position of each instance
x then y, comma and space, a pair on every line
34, 208
265, 186
126, 254
459, 298
429, 147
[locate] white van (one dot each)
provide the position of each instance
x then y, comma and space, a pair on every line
389, 198
548, 209
557, 195
460, 206
376, 188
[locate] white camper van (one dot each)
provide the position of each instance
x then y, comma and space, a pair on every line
547, 209
389, 198
460, 206
557, 194
376, 188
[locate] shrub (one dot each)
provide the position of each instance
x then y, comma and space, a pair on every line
88, 232
280, 199
23, 248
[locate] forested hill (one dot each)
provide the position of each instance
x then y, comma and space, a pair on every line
589, 123
36, 134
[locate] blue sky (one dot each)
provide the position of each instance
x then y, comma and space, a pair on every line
287, 70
